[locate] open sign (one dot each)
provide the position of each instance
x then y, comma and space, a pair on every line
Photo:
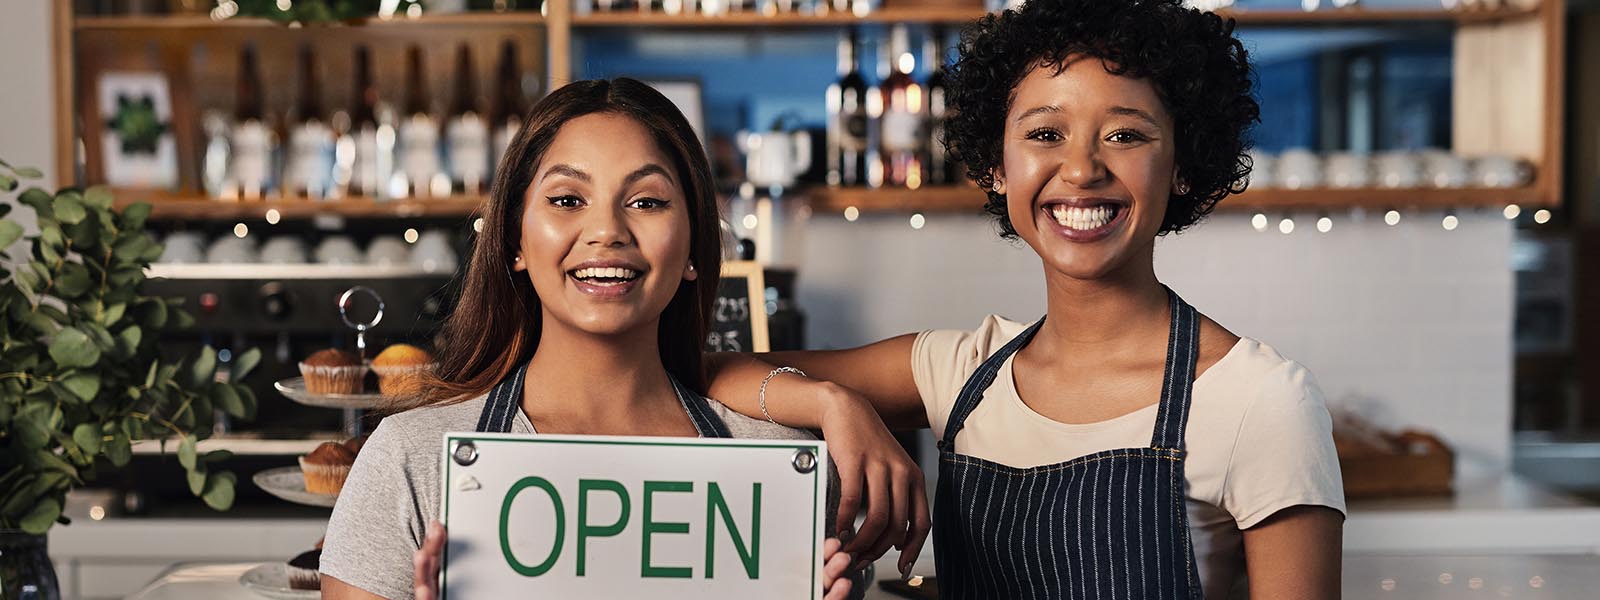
554, 516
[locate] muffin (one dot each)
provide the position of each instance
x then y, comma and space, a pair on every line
333, 372
400, 368
326, 467
303, 571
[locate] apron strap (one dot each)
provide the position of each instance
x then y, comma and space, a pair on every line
979, 382
506, 399
504, 402
706, 422
1183, 345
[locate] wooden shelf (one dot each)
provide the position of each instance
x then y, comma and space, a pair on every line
1358, 15
968, 199
1281, 18
754, 19
196, 21
946, 15
166, 206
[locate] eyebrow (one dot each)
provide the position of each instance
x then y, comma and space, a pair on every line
636, 175
569, 171
1038, 110
646, 171
1135, 113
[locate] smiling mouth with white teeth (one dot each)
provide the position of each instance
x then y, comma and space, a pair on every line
604, 276
1084, 219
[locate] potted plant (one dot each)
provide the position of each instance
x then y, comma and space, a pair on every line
82, 375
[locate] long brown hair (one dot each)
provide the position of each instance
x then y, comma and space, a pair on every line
495, 326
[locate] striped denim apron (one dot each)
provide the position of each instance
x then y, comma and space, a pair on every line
506, 399
1107, 525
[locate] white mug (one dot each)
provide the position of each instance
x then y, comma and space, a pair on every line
1347, 170
1299, 168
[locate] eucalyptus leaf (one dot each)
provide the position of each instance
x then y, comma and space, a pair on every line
182, 319
216, 456
10, 232
29, 172
135, 215
84, 385
197, 480
248, 399
39, 200
186, 452
150, 378
7, 183
88, 438
99, 197
113, 313
69, 209
43, 515
31, 433
152, 314
246, 363
73, 282
219, 490
204, 368
120, 450
128, 340
72, 348
225, 399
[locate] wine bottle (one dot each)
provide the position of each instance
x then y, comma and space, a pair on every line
419, 137
847, 118
466, 132
309, 170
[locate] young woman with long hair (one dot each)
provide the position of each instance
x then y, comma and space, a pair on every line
583, 311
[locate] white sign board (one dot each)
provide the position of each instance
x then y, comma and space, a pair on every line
552, 516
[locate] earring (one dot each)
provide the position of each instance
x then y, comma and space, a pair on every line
691, 267
999, 187
1180, 188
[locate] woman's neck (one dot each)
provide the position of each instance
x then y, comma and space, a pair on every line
585, 378
1110, 315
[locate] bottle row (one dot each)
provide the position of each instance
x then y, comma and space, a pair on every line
371, 148
889, 134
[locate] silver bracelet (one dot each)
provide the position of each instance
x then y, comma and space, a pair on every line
764, 382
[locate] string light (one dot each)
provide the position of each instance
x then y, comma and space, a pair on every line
1325, 224
1513, 211
1450, 222
1259, 221
240, 230
1541, 217
411, 235
851, 213
1286, 225
918, 221
273, 217
1392, 217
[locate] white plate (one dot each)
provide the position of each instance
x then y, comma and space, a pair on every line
295, 389
289, 484
272, 580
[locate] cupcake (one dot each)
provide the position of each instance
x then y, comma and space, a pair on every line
333, 372
400, 368
326, 467
303, 571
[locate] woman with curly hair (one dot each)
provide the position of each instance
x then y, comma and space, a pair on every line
1123, 446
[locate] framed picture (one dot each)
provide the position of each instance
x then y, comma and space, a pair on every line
137, 141
686, 94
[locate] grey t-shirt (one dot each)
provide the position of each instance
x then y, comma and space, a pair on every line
393, 491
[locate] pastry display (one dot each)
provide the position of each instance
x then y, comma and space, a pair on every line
333, 372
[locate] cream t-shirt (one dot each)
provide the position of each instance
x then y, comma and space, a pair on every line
1259, 438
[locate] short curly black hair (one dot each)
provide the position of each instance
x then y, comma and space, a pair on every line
1198, 68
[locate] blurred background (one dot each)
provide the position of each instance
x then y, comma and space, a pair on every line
1420, 229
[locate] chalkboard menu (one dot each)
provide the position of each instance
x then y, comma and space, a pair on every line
739, 317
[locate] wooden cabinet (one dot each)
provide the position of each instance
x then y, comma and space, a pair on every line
1508, 90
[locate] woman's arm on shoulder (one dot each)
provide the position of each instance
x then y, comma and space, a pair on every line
1295, 553
880, 373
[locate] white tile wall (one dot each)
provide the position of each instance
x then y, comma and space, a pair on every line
1409, 324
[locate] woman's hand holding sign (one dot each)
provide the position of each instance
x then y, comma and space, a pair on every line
425, 567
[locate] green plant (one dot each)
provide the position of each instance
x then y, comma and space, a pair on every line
82, 375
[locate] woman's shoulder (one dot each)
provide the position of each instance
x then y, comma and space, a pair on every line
991, 333
740, 426
1257, 371
423, 427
